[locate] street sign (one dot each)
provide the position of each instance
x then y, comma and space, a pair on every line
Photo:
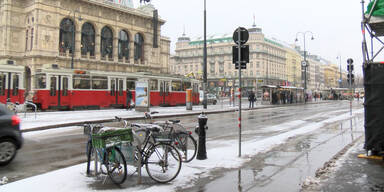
244, 57
244, 35
304, 63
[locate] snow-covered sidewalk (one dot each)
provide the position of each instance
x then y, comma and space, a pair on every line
226, 156
42, 119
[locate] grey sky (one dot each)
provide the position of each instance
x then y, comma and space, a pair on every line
335, 23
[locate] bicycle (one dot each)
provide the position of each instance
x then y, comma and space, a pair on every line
103, 146
183, 139
161, 159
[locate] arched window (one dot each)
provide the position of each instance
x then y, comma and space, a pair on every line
123, 45
67, 29
32, 38
139, 47
88, 39
106, 48
26, 40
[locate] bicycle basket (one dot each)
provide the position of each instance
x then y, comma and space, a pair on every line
111, 137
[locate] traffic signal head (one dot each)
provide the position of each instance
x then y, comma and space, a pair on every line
351, 78
350, 67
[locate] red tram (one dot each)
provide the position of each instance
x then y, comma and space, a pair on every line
66, 89
11, 83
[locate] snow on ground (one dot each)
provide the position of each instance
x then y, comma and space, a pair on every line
226, 156
29, 120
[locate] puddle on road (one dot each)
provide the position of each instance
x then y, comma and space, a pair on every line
285, 167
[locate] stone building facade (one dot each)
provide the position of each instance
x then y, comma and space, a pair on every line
267, 61
107, 36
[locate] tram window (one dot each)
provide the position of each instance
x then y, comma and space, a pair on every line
113, 87
81, 82
2, 84
65, 86
153, 85
15, 85
121, 87
167, 86
176, 86
130, 84
186, 85
161, 87
99, 82
52, 89
40, 80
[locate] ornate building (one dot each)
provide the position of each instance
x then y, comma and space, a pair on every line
267, 61
82, 34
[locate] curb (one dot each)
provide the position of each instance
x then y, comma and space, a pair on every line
79, 123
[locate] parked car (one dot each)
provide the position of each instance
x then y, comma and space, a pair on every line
10, 136
211, 98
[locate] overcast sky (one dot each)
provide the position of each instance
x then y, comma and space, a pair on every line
335, 23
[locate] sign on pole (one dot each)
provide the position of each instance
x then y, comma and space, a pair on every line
240, 55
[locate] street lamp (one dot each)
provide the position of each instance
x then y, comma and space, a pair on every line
205, 57
73, 34
304, 63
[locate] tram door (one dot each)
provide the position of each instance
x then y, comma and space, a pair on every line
3, 89
58, 91
164, 93
117, 91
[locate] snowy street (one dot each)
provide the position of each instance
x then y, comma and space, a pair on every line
280, 144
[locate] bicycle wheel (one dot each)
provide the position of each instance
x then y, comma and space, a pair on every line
187, 146
115, 164
161, 164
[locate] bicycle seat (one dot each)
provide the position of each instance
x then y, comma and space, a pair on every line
174, 121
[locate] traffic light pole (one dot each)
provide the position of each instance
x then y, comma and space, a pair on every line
239, 60
350, 69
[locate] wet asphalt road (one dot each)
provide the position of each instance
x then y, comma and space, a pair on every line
60, 148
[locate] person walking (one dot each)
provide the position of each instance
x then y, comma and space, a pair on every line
129, 100
251, 99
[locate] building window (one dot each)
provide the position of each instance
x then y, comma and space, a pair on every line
212, 70
139, 47
106, 48
221, 67
31, 39
123, 45
88, 39
26, 40
67, 28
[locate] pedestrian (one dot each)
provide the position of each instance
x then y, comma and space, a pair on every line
251, 99
129, 100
